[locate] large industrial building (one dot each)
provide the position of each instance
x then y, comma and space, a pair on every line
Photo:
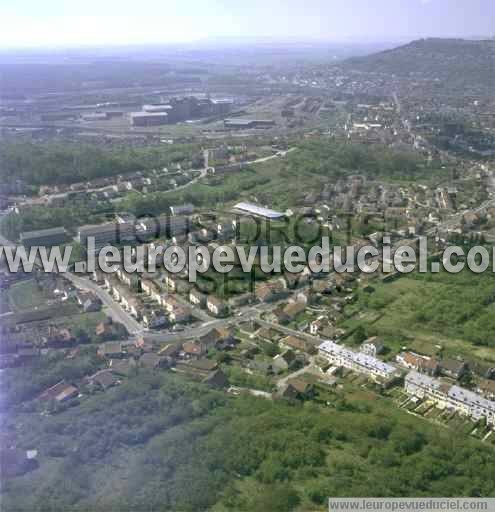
165, 226
180, 109
258, 211
107, 234
44, 237
157, 107
149, 118
240, 124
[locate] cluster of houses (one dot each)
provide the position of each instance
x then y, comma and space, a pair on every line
432, 366
111, 188
123, 359
451, 397
419, 382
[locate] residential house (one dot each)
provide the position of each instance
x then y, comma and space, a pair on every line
152, 361
103, 379
152, 289
89, 301
316, 325
486, 388
200, 366
271, 291
111, 350
60, 392
294, 309
279, 316
154, 318
242, 300
132, 280
418, 362
372, 347
216, 306
197, 298
59, 337
170, 302
172, 350
216, 379
296, 280
283, 362
296, 389
262, 367
295, 343
453, 368
218, 337
180, 314
124, 367
108, 330
269, 334
193, 349
145, 343
307, 297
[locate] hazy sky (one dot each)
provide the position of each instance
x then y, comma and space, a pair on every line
88, 22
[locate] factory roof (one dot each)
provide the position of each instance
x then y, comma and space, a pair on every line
258, 210
43, 232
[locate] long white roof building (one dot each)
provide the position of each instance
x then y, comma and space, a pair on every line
258, 211
357, 361
453, 397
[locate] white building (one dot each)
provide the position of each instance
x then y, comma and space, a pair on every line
452, 397
339, 355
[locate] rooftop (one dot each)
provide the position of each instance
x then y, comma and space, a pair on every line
258, 210
359, 358
43, 232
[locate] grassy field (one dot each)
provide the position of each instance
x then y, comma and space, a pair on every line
432, 312
27, 295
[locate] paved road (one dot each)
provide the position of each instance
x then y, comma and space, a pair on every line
115, 309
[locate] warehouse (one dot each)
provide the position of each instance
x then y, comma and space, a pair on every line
149, 118
248, 123
258, 211
44, 237
107, 234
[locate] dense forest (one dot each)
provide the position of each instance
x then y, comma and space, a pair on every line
162, 443
54, 164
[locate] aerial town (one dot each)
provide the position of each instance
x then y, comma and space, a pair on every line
113, 382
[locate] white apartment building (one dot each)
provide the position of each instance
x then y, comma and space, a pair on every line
452, 397
339, 355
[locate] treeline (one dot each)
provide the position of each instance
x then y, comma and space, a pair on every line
55, 163
168, 444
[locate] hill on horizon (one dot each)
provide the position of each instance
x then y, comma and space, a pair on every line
458, 63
